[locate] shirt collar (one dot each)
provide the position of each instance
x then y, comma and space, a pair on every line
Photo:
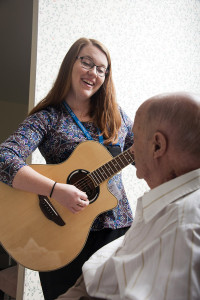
158, 198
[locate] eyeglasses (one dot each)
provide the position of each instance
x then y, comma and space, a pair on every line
88, 64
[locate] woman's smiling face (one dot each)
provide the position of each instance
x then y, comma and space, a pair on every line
86, 83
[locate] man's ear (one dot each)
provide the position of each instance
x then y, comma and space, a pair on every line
159, 144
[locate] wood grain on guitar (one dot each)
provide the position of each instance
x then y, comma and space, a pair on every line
38, 232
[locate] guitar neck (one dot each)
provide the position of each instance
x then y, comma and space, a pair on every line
112, 167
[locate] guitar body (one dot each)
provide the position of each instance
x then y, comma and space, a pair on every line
30, 237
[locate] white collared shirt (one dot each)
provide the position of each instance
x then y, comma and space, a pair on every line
159, 257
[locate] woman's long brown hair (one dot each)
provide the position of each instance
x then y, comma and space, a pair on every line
103, 106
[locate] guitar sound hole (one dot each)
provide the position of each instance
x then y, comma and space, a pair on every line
83, 182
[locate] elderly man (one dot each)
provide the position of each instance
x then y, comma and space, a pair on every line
159, 257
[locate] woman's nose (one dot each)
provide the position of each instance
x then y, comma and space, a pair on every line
93, 71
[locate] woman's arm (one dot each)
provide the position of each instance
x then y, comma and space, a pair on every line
15, 172
67, 195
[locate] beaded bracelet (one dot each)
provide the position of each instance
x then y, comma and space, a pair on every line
52, 189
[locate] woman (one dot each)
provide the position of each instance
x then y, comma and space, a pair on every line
81, 105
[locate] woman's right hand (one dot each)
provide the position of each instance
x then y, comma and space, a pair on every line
71, 197
68, 195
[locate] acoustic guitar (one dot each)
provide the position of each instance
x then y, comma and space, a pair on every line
41, 234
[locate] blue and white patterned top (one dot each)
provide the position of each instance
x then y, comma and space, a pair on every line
56, 135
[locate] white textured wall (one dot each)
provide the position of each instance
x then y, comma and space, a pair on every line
154, 46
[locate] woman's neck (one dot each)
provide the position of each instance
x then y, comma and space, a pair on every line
80, 108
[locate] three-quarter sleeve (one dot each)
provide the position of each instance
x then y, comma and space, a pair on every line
15, 150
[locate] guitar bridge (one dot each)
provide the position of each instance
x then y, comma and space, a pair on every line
49, 211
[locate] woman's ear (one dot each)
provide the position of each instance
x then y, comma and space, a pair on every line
159, 144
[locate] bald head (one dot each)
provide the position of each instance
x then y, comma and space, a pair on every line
177, 115
167, 137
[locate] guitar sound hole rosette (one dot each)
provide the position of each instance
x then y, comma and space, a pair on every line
80, 179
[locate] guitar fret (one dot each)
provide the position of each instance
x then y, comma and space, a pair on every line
95, 178
123, 163
128, 158
120, 162
103, 173
98, 175
114, 167
107, 166
118, 165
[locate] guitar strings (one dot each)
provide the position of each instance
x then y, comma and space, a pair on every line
87, 180
83, 182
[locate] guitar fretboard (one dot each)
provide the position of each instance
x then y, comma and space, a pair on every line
111, 168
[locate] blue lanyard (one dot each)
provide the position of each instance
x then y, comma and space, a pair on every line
72, 114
